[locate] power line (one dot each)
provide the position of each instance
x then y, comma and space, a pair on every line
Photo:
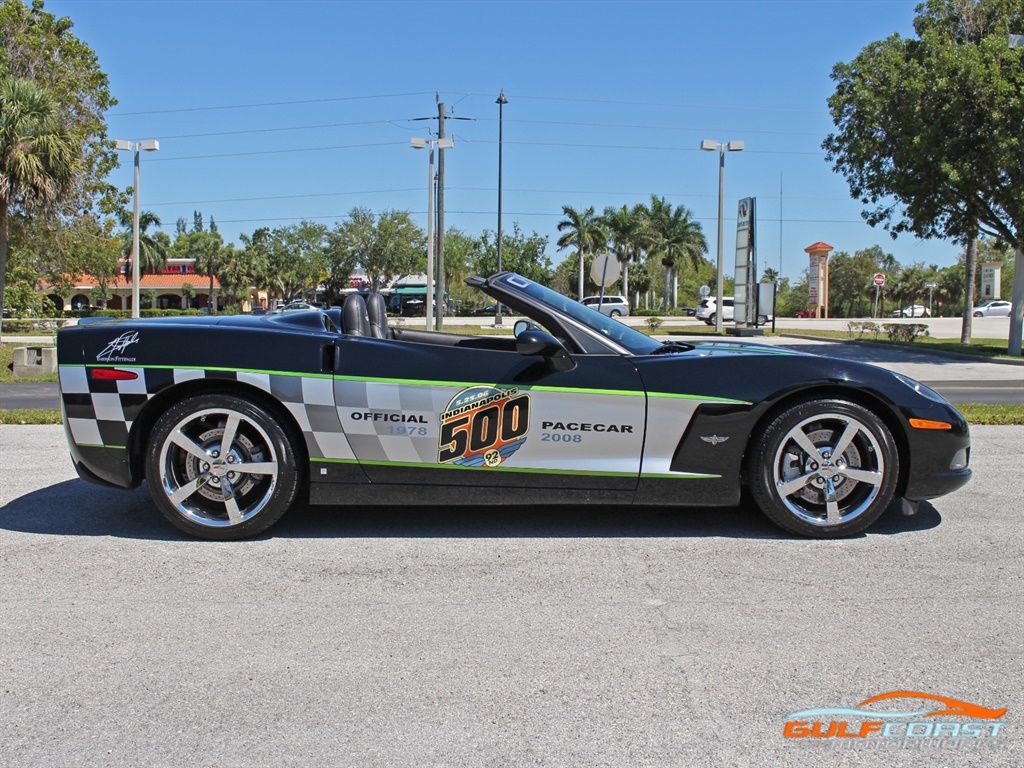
606, 193
682, 105
295, 150
267, 104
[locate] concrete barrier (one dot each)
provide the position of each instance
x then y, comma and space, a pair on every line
30, 362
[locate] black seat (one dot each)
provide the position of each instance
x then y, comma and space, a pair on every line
378, 316
354, 320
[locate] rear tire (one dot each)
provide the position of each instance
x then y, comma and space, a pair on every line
711, 320
824, 469
221, 489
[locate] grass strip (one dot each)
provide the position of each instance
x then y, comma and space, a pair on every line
30, 416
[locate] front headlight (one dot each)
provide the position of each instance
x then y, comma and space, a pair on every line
920, 388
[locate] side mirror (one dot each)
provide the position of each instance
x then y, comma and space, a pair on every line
533, 342
524, 325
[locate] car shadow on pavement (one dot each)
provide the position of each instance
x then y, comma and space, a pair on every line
606, 521
77, 508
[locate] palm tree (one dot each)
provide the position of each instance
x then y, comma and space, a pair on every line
38, 157
152, 253
675, 237
584, 232
623, 225
770, 275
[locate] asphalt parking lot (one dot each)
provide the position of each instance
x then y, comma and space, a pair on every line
548, 636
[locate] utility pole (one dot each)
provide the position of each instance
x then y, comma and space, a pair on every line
441, 303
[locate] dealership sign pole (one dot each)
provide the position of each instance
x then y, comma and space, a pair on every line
745, 299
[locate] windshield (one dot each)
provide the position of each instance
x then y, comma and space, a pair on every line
636, 342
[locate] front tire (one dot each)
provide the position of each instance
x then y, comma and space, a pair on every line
824, 469
221, 467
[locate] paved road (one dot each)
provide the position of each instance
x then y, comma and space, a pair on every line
29, 394
548, 636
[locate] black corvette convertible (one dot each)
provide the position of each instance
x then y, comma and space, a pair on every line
233, 419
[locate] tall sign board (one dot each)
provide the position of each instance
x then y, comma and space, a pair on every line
746, 264
991, 281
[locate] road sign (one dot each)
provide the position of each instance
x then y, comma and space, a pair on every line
605, 269
879, 279
704, 291
929, 286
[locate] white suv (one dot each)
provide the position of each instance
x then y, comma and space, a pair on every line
613, 306
708, 309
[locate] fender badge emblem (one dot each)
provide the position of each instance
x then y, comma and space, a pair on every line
713, 439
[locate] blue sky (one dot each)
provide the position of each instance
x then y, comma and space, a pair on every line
271, 112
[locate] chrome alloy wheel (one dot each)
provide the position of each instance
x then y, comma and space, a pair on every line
218, 467
829, 469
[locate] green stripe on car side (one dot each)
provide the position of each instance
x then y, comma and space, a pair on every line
580, 472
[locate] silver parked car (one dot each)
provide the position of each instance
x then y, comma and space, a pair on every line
996, 308
613, 306
913, 310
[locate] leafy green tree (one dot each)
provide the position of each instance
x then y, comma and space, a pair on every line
234, 274
341, 263
188, 295
928, 130
38, 46
462, 254
520, 253
297, 260
99, 295
386, 245
22, 297
38, 157
207, 251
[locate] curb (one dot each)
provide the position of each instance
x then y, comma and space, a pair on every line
917, 350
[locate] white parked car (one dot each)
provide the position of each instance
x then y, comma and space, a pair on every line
613, 306
996, 308
709, 308
913, 310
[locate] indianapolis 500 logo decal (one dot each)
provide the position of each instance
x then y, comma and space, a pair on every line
482, 426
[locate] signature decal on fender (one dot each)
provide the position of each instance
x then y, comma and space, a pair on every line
111, 353
482, 426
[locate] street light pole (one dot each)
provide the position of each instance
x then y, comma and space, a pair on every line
1014, 339
710, 146
150, 146
501, 102
428, 301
